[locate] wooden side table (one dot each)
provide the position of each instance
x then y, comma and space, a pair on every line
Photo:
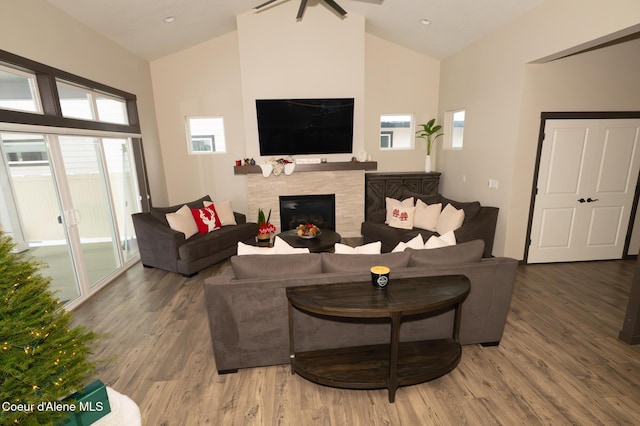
380, 366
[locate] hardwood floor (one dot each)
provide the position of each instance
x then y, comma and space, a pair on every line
560, 361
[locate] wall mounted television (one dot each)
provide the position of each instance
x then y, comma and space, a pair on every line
305, 126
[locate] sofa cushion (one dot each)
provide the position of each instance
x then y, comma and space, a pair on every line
277, 265
470, 208
426, 215
160, 212
206, 218
468, 252
371, 248
182, 221
402, 217
224, 211
448, 239
392, 204
335, 262
450, 219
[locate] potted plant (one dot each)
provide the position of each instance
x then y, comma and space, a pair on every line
265, 228
428, 133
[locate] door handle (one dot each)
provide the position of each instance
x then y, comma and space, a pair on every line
589, 200
582, 200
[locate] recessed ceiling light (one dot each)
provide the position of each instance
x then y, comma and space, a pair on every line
424, 21
169, 19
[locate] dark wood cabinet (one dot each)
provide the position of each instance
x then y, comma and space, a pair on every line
378, 186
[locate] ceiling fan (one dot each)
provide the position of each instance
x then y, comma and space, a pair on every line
303, 5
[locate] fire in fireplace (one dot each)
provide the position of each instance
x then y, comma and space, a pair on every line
302, 209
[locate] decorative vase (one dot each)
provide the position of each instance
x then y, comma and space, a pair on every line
427, 164
263, 240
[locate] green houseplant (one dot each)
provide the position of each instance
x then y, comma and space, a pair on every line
427, 132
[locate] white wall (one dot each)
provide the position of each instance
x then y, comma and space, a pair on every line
274, 56
398, 81
203, 80
488, 80
36, 30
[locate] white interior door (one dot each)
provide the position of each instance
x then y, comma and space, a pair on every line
586, 186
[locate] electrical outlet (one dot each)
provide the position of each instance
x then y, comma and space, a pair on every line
493, 183
464, 178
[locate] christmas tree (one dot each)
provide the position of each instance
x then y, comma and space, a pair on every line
43, 357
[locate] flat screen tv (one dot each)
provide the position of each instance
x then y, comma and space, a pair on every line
305, 126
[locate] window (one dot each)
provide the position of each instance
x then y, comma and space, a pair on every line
86, 104
454, 125
25, 150
396, 131
18, 91
206, 135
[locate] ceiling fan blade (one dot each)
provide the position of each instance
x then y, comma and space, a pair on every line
264, 4
303, 6
336, 7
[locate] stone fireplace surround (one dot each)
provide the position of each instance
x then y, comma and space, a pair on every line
347, 185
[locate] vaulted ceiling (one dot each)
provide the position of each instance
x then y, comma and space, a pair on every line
138, 25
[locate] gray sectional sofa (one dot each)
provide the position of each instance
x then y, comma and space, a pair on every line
162, 247
248, 310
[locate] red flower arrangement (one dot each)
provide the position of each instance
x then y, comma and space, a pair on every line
264, 226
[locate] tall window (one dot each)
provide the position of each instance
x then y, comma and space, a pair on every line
454, 128
71, 174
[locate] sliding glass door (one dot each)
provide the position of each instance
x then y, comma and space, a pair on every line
68, 200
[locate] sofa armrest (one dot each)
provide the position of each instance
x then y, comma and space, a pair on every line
158, 243
240, 218
480, 226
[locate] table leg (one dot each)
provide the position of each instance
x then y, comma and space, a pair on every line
392, 379
291, 344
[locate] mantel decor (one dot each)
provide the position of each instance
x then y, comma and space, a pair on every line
318, 167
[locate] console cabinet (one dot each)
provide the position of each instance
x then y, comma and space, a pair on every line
378, 186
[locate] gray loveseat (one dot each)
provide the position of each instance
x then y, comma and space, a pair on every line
248, 315
479, 223
162, 247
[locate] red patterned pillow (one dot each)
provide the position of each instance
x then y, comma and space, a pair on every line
207, 219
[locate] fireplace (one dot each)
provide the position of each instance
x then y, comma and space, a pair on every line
319, 210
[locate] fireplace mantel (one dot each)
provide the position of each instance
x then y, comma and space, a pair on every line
318, 167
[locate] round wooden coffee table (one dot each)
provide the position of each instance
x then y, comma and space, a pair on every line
323, 242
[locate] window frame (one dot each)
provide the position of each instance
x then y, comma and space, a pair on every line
449, 129
191, 138
388, 133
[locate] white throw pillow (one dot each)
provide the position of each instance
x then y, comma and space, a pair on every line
450, 219
371, 248
282, 247
426, 215
224, 211
244, 249
402, 217
448, 239
182, 221
415, 243
392, 203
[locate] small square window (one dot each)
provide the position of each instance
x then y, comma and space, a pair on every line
396, 131
206, 135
